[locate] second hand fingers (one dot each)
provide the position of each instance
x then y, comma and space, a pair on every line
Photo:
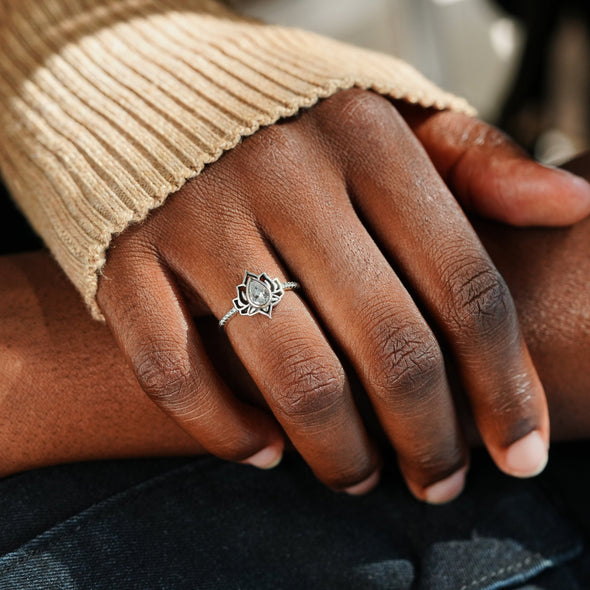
463, 292
492, 176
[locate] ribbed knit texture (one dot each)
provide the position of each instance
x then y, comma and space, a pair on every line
107, 107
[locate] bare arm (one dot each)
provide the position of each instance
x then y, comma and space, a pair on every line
66, 393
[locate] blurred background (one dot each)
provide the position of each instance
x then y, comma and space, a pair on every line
524, 64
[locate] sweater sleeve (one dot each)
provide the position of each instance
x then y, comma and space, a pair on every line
109, 106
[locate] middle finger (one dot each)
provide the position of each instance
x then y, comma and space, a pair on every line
364, 305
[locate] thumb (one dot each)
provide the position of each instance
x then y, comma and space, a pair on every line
493, 177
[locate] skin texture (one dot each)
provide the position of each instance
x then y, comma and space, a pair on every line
66, 393
346, 200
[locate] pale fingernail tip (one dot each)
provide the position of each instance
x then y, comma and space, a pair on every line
365, 486
447, 489
527, 457
575, 179
580, 183
267, 458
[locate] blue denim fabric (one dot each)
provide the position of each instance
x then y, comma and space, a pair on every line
205, 524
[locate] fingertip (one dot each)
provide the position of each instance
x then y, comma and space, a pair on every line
365, 486
572, 196
442, 491
267, 458
535, 194
447, 489
580, 192
527, 457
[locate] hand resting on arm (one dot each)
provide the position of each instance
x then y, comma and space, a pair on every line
347, 199
143, 144
67, 394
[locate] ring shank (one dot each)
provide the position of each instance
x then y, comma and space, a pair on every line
227, 317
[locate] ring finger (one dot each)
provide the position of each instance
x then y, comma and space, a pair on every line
289, 359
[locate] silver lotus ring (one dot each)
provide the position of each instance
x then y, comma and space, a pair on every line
257, 294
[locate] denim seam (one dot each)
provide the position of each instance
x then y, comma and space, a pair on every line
565, 552
36, 545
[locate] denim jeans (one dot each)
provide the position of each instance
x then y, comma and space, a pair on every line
200, 523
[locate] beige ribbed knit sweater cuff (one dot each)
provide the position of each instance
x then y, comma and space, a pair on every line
107, 107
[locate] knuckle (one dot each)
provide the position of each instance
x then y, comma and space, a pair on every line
279, 150
356, 106
310, 387
358, 122
480, 300
163, 374
407, 361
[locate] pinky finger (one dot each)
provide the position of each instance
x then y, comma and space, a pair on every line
153, 328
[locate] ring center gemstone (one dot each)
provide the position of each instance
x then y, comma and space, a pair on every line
258, 293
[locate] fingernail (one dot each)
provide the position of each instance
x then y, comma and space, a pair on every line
573, 178
365, 486
526, 457
268, 458
447, 489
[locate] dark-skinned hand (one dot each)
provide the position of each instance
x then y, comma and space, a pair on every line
358, 200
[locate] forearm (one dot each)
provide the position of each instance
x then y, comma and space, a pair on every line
65, 392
